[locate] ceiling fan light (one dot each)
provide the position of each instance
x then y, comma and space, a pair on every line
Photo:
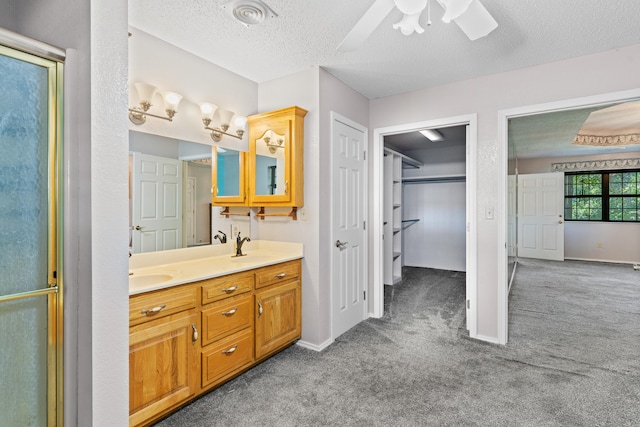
454, 8
476, 22
409, 24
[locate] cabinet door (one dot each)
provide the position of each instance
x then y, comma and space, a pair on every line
276, 155
278, 317
163, 365
228, 177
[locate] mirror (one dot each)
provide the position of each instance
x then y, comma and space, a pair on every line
270, 164
229, 183
227, 172
170, 184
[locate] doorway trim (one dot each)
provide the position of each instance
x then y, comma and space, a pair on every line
377, 197
503, 147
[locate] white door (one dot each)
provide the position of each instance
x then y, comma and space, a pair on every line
157, 203
189, 212
348, 225
540, 216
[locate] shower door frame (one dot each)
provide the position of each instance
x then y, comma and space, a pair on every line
51, 58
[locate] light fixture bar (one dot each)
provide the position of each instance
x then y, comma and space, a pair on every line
216, 133
432, 134
138, 116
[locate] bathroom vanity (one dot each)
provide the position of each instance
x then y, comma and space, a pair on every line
199, 317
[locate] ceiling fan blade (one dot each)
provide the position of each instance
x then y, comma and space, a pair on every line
476, 21
365, 26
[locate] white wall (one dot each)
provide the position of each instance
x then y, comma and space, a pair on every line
597, 241
169, 68
610, 71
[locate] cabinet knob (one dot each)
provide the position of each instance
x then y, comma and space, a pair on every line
281, 275
259, 309
229, 290
230, 312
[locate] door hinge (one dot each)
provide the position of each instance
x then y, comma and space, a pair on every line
364, 225
364, 155
364, 295
468, 304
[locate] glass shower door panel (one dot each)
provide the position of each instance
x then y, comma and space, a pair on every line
24, 214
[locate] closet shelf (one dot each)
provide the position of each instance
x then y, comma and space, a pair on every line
438, 178
408, 222
407, 162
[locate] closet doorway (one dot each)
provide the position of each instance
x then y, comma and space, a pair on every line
436, 209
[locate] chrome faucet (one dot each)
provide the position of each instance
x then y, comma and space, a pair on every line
222, 237
239, 243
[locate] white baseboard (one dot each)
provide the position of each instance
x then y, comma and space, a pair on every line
603, 260
315, 347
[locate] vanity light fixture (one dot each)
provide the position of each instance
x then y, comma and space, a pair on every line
146, 92
226, 119
432, 134
273, 143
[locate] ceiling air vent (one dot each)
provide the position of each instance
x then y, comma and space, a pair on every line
249, 12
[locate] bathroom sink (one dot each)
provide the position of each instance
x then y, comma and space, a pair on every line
252, 259
142, 280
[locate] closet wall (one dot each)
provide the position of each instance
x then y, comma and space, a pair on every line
435, 195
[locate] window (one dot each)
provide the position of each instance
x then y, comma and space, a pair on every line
602, 196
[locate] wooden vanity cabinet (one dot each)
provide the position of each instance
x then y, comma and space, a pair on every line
278, 304
188, 339
276, 158
163, 352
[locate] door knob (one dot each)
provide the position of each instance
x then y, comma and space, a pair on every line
340, 244
138, 227
560, 222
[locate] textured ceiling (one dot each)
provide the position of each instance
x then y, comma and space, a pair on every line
306, 34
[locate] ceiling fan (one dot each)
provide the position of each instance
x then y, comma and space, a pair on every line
470, 15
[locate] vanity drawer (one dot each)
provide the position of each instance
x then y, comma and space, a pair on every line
283, 272
228, 355
226, 317
157, 304
226, 286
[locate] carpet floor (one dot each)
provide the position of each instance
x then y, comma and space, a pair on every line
573, 359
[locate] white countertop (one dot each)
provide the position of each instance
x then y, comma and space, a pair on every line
159, 270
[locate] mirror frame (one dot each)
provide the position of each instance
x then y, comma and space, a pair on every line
239, 200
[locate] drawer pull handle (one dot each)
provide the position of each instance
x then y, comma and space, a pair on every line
230, 312
281, 275
229, 290
259, 309
154, 309
231, 350
195, 332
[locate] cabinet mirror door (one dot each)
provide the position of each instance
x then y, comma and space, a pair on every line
270, 164
228, 176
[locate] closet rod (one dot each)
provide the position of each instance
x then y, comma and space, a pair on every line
434, 179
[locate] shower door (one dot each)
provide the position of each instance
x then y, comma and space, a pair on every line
30, 277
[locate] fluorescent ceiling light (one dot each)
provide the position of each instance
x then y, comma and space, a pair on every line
432, 135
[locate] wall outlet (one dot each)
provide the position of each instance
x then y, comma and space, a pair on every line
302, 214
